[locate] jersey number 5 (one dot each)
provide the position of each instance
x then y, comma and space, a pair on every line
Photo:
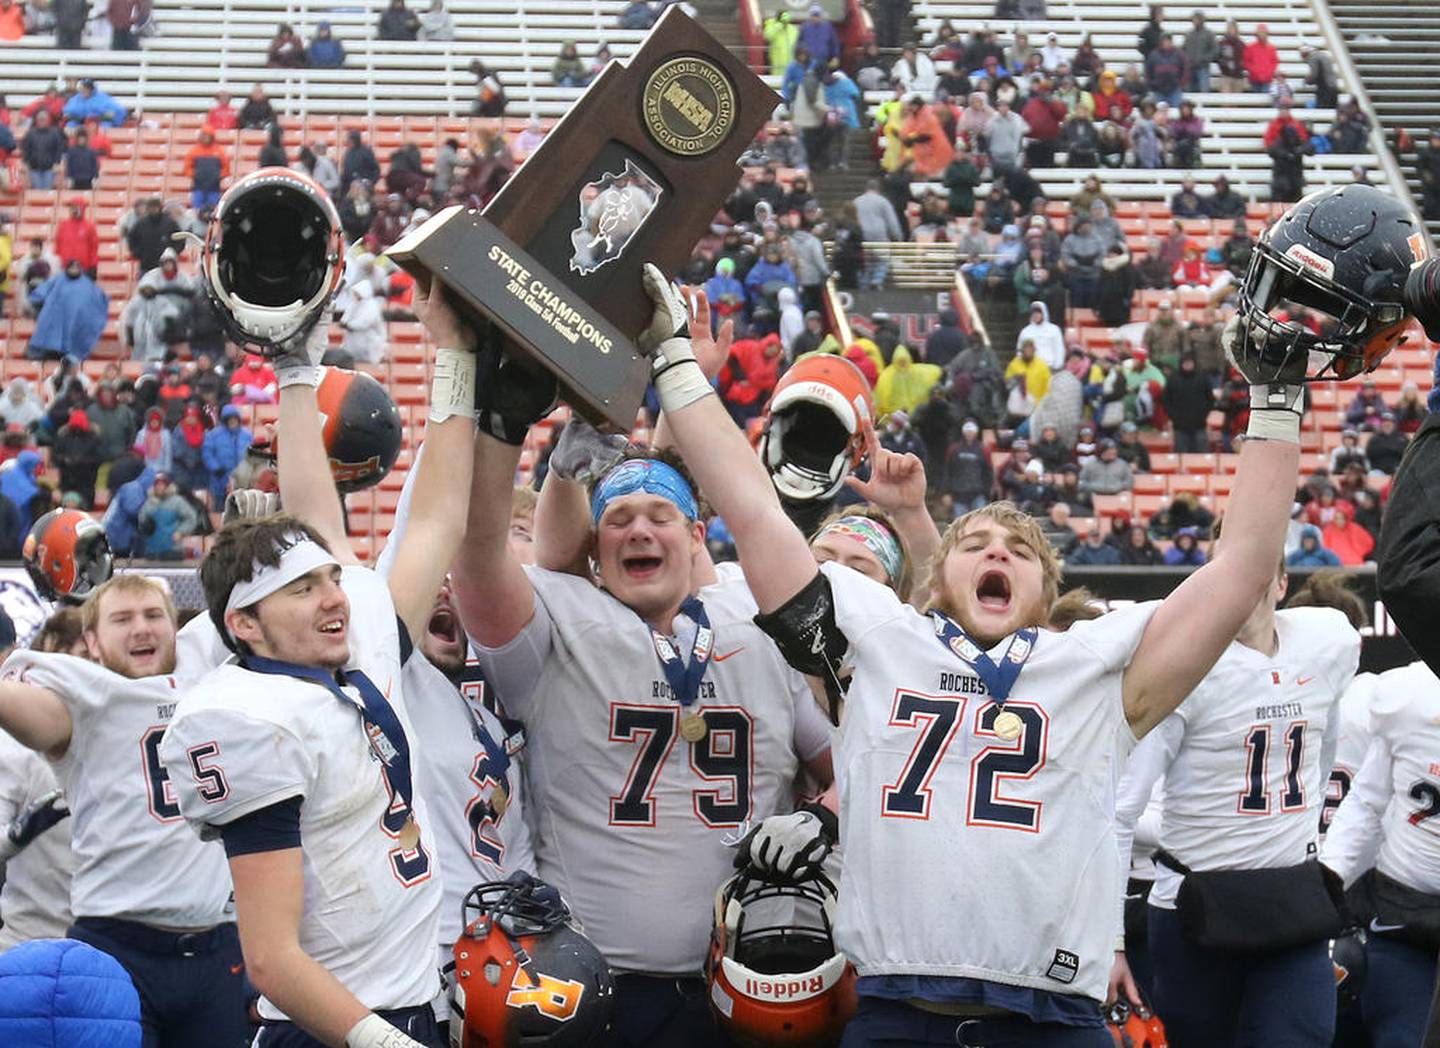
723, 758
938, 718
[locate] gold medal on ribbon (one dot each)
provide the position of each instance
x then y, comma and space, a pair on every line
693, 727
1008, 725
409, 836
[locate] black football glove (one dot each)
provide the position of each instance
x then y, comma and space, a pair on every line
38, 817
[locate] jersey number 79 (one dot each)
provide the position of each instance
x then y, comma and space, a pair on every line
723, 757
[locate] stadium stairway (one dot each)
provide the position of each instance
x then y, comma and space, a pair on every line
1394, 45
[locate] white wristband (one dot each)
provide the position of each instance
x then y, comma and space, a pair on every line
679, 381
374, 1032
452, 385
296, 374
1275, 412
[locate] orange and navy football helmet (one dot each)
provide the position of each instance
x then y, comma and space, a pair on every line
525, 975
775, 975
814, 430
1343, 254
67, 555
273, 259
360, 425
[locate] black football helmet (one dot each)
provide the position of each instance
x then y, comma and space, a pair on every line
1343, 254
1348, 956
273, 259
525, 975
67, 555
360, 425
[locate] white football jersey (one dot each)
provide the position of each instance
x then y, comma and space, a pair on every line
1351, 745
241, 741
476, 809
1391, 818
35, 901
632, 822
968, 855
1246, 756
135, 857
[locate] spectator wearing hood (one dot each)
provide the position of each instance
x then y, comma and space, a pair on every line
1049, 340
42, 149
726, 294
1081, 253
1367, 407
224, 449
1112, 104
73, 310
1189, 398
90, 103
749, 376
1312, 552
862, 359
1186, 551
961, 178
364, 324
187, 440
358, 163
792, 320
1164, 337
904, 385
77, 238
19, 485
1043, 115
113, 423
819, 38
166, 518
82, 162
150, 235
20, 407
207, 166
122, 516
1007, 133
1386, 447
946, 341
325, 52
930, 151
78, 455
150, 320
153, 442
253, 382
1351, 543
899, 436
768, 276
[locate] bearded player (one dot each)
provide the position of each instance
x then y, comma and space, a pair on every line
977, 756
145, 890
300, 755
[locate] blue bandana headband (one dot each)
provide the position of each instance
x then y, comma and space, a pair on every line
650, 476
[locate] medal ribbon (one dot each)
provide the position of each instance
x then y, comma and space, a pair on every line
685, 679
381, 721
998, 679
499, 753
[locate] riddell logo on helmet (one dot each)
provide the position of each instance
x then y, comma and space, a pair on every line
784, 989
1310, 260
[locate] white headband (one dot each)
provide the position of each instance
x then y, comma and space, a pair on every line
304, 556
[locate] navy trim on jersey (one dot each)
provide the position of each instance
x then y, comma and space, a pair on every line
275, 827
1039, 1006
407, 646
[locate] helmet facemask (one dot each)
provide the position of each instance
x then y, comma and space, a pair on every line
808, 451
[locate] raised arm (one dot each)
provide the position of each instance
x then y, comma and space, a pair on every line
562, 515
495, 596
436, 521
36, 717
773, 554
897, 485
1198, 621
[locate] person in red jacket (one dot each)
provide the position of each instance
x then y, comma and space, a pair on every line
1045, 114
222, 115
749, 376
1284, 119
51, 100
207, 166
1111, 103
1261, 59
76, 238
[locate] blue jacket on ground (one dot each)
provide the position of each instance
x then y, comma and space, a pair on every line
59, 993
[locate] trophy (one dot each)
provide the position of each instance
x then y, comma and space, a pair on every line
633, 173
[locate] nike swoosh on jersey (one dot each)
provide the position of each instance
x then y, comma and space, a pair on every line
1376, 926
1302, 681
728, 655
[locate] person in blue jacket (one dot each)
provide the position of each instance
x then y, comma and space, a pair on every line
73, 312
794, 73
122, 516
62, 993
325, 52
224, 449
89, 102
1311, 552
18, 484
768, 276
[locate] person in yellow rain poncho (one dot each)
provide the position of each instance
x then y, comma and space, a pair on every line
904, 385
1036, 371
890, 118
